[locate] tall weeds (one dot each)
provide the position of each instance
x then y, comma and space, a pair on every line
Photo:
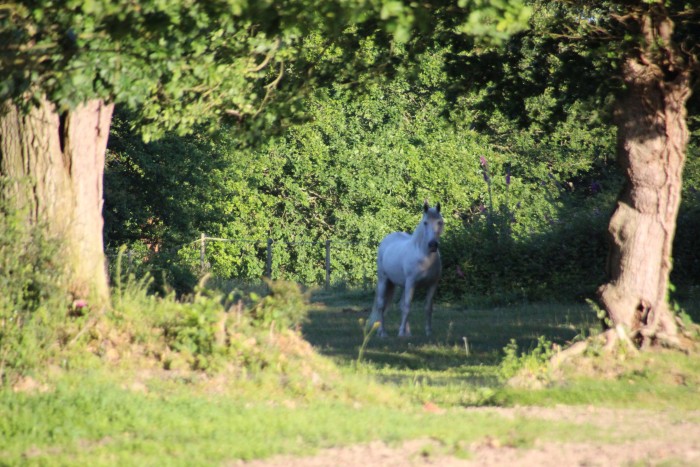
33, 302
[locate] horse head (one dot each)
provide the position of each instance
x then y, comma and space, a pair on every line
431, 226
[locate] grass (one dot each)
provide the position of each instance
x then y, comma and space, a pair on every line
89, 421
335, 329
440, 370
123, 412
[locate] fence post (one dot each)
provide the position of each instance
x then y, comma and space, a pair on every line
202, 250
268, 265
328, 264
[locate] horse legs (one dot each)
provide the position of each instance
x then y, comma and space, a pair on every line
385, 292
405, 329
429, 309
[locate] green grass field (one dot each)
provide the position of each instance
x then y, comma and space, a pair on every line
440, 369
335, 329
90, 422
120, 413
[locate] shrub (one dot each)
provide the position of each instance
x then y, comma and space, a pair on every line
33, 304
553, 248
208, 329
285, 307
527, 369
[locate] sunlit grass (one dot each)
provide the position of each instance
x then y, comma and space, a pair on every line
94, 422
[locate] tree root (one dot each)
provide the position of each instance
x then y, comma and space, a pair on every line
570, 352
618, 335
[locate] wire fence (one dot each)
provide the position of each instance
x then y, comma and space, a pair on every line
333, 271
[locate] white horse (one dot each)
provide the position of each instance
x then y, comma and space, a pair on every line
409, 261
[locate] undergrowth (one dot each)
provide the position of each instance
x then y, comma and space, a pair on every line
531, 368
33, 305
242, 335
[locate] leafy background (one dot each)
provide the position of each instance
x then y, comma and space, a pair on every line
525, 174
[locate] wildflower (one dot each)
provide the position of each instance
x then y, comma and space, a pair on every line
459, 272
78, 308
507, 176
484, 162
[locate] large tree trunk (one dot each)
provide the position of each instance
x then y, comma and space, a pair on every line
53, 167
652, 140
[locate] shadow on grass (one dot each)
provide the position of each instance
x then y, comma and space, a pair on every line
441, 369
335, 329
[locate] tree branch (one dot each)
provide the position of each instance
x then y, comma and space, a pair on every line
267, 59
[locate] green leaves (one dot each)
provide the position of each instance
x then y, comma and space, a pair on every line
495, 21
186, 63
399, 19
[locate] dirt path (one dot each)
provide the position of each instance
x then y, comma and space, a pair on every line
640, 437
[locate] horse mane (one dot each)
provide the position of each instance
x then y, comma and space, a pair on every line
419, 231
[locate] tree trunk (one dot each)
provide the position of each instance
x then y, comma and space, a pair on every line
652, 141
53, 166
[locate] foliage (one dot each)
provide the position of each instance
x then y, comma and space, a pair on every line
532, 367
181, 64
384, 128
285, 306
300, 189
33, 307
207, 330
686, 261
539, 230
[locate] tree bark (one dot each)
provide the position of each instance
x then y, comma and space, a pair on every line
52, 164
652, 141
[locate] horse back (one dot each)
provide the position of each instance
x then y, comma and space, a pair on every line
391, 242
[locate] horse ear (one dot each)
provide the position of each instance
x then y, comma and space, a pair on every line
437, 207
426, 206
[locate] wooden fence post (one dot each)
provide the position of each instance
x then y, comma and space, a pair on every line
328, 264
268, 264
202, 251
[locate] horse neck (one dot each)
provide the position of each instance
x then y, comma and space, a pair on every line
418, 236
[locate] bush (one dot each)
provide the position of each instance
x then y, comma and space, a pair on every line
208, 329
285, 307
33, 303
527, 369
686, 254
567, 262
